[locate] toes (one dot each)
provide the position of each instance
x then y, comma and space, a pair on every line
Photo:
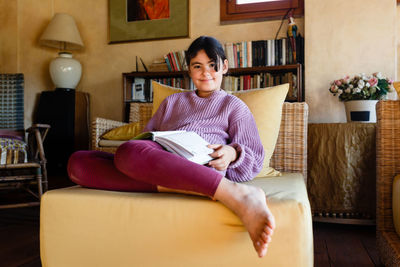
268, 230
262, 250
264, 237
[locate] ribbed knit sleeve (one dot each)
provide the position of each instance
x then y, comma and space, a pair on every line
246, 140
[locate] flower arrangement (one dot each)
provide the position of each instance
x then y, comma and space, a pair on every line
362, 87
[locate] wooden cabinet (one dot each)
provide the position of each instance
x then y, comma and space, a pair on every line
135, 82
67, 112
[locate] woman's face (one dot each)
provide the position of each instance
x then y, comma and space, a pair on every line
203, 74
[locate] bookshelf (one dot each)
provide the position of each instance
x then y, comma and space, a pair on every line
141, 81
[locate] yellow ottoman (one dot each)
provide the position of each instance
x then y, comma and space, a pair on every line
87, 227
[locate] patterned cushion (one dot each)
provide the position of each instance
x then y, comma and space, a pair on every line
12, 151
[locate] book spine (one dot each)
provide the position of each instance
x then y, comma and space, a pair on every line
177, 60
249, 55
172, 59
168, 63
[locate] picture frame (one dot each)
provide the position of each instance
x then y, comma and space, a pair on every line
122, 30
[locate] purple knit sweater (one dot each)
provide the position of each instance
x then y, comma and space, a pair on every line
220, 119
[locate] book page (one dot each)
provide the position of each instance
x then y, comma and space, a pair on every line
187, 144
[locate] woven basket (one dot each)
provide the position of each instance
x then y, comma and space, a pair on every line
387, 166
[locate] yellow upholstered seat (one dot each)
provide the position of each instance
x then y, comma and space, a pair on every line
87, 227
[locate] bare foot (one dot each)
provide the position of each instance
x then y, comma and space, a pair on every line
250, 205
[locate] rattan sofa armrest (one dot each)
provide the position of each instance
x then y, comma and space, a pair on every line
290, 154
99, 127
387, 160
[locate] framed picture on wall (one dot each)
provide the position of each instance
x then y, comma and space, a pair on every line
138, 20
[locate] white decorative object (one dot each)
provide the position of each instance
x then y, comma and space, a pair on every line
63, 33
361, 110
65, 71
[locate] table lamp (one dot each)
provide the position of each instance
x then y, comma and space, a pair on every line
62, 33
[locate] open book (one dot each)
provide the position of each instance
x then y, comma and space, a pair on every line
189, 145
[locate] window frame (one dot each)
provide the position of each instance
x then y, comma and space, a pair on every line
230, 11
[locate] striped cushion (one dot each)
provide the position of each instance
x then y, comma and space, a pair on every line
12, 151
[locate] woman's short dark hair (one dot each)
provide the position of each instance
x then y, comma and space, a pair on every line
211, 46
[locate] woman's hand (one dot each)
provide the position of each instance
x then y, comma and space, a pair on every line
223, 155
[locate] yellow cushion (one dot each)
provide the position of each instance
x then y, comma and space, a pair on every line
266, 106
125, 132
396, 86
86, 227
396, 203
160, 92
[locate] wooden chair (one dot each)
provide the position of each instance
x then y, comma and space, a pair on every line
387, 167
22, 163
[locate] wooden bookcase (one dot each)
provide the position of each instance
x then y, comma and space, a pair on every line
129, 80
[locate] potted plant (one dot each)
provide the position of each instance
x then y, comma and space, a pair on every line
360, 94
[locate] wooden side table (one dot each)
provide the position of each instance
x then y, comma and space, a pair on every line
341, 172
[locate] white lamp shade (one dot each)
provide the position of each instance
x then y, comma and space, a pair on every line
65, 71
62, 33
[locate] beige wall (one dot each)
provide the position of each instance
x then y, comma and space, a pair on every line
345, 37
103, 63
342, 37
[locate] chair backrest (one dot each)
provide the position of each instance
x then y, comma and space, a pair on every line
12, 104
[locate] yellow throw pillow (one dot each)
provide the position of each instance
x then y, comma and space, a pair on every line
125, 132
396, 86
160, 92
266, 106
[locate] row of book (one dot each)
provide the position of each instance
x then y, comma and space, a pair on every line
142, 89
264, 53
176, 61
249, 54
246, 82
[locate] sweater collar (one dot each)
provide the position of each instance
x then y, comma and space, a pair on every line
214, 95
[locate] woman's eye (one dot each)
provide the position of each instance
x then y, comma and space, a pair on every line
212, 65
196, 67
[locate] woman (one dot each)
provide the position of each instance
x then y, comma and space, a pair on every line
221, 119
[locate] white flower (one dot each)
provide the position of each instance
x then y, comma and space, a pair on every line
378, 75
361, 84
367, 85
340, 91
348, 91
351, 86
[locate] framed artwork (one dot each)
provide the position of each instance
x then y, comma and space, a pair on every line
139, 20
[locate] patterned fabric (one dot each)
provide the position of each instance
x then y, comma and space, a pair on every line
12, 151
12, 101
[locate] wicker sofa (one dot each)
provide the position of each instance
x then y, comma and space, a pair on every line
388, 166
86, 227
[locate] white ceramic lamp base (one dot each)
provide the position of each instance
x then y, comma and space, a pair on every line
65, 71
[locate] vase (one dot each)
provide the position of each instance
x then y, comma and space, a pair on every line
65, 71
361, 111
